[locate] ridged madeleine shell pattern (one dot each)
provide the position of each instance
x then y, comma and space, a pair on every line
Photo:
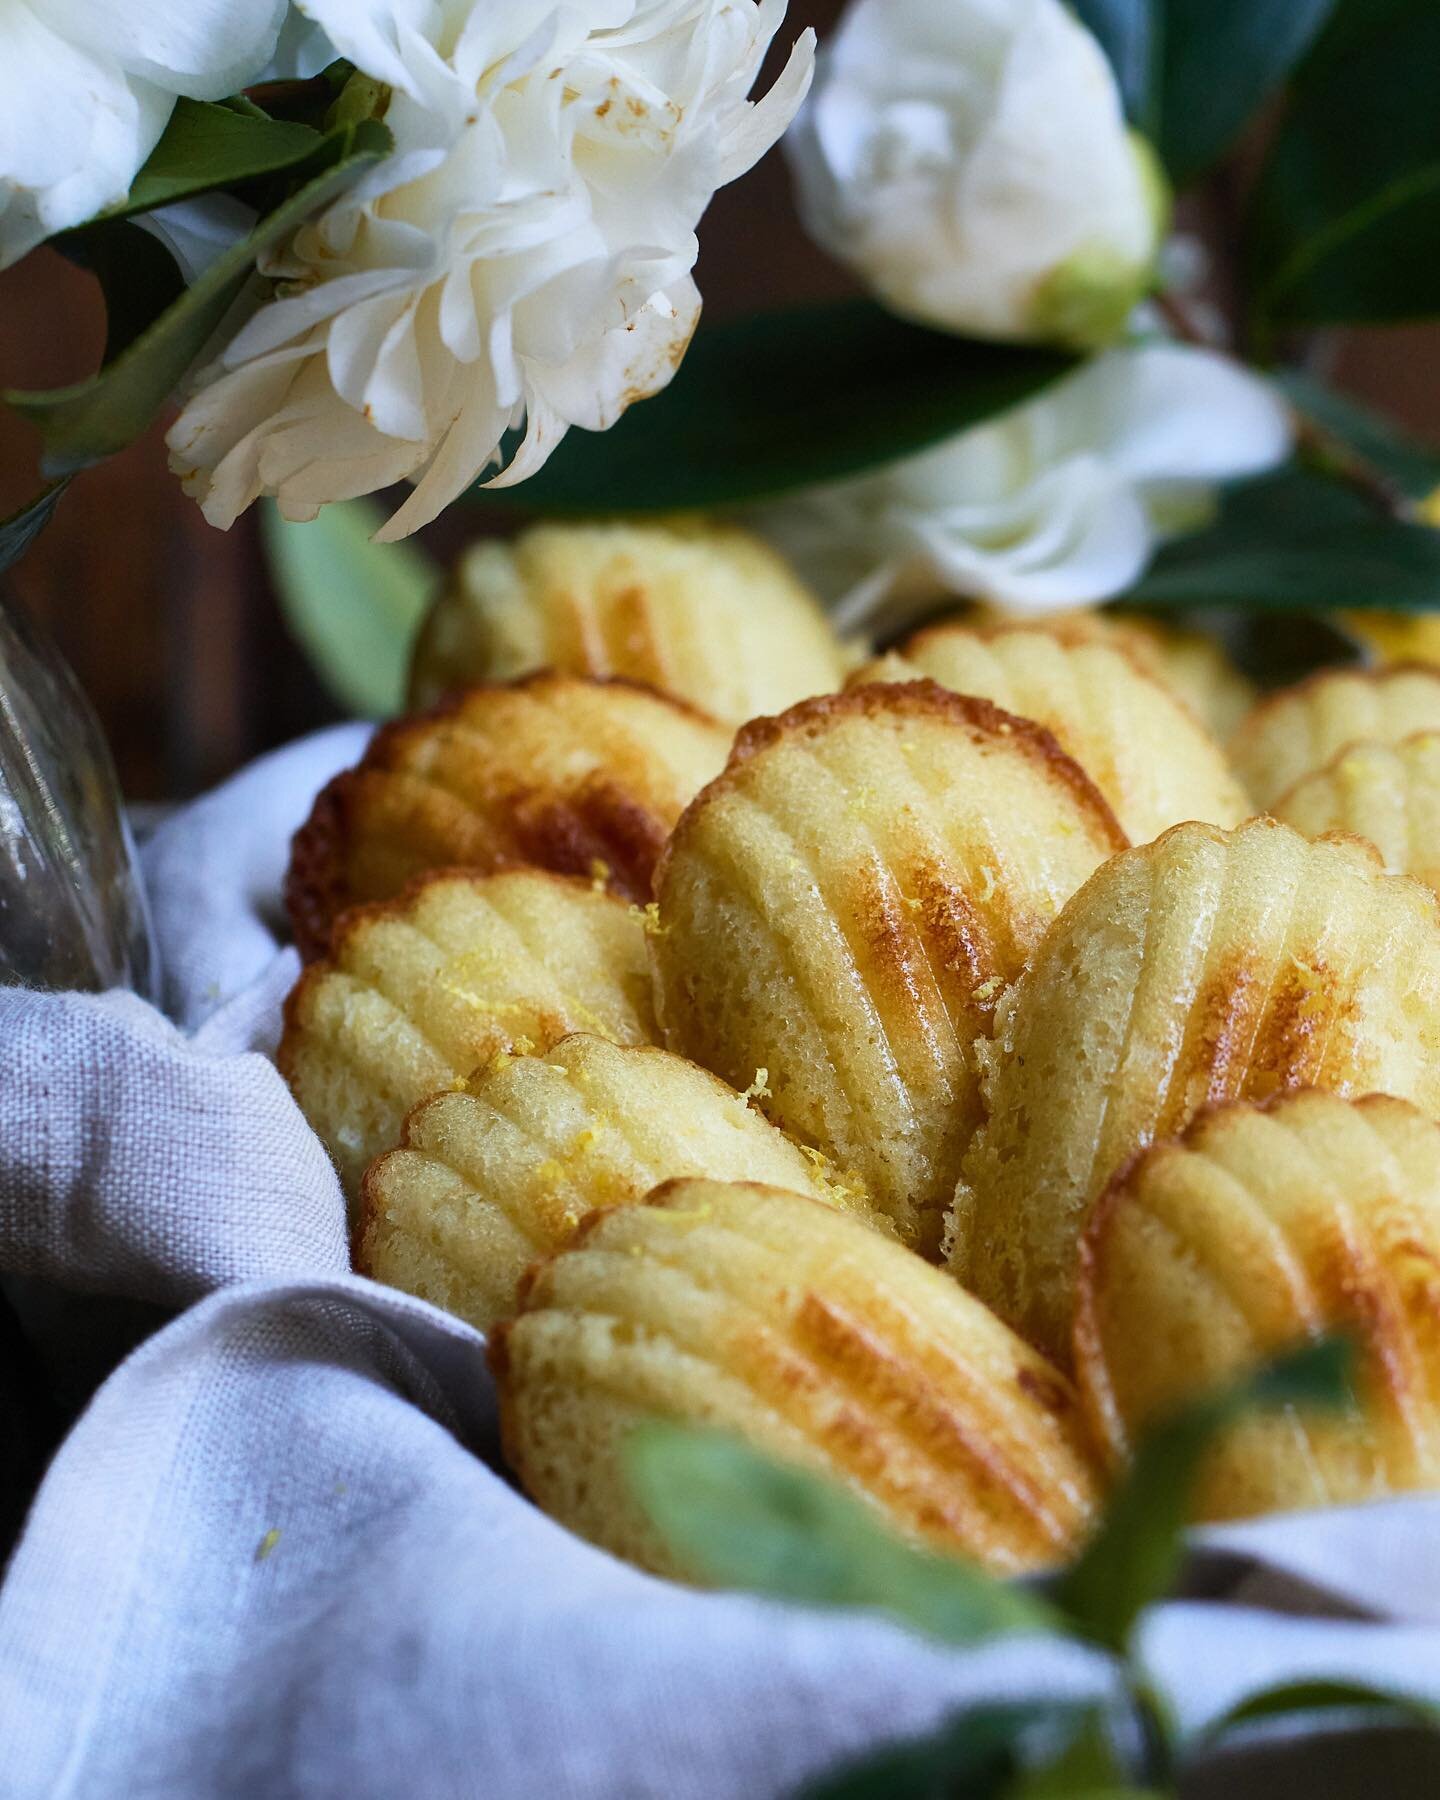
490, 1179
421, 991
1388, 794
1191, 664
843, 907
764, 1314
708, 613
1207, 967
1303, 728
552, 772
1261, 1227
1153, 761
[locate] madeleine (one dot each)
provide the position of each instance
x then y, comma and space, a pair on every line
1209, 966
553, 772
1260, 1227
1193, 665
1389, 794
706, 612
1142, 748
418, 992
844, 906
762, 1313
1303, 728
489, 1179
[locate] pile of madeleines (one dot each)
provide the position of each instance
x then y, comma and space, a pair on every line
932, 1068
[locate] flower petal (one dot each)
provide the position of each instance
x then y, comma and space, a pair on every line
73, 131
202, 48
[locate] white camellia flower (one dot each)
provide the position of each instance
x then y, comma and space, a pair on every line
1057, 503
87, 87
970, 161
523, 257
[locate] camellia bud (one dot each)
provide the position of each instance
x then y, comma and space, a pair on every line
972, 164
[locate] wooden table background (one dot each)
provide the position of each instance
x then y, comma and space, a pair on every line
173, 628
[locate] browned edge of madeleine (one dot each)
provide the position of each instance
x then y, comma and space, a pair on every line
316, 887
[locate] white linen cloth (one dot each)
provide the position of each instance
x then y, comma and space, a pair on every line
276, 1555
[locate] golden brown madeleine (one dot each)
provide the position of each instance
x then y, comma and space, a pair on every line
1151, 759
843, 907
419, 992
1191, 664
706, 612
554, 772
1206, 967
490, 1179
757, 1311
1303, 728
1260, 1227
1388, 794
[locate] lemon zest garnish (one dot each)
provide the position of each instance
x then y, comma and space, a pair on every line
759, 1088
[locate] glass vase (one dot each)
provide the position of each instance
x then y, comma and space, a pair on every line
72, 905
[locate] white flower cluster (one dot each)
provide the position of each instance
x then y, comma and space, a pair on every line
523, 258
522, 262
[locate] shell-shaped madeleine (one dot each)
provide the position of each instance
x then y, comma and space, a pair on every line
1142, 748
419, 992
1206, 967
1191, 664
706, 612
759, 1312
1388, 794
1303, 728
552, 772
487, 1180
843, 907
1259, 1228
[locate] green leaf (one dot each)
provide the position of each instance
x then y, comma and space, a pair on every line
1310, 1697
207, 146
785, 400
21, 529
1222, 59
1349, 202
1412, 467
737, 1519
1133, 1558
1297, 541
96, 417
975, 1754
1088, 1769
353, 605
1194, 72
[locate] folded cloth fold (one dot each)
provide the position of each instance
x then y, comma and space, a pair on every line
136, 1161
215, 871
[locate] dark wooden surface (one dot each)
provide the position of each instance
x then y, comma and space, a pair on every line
172, 626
